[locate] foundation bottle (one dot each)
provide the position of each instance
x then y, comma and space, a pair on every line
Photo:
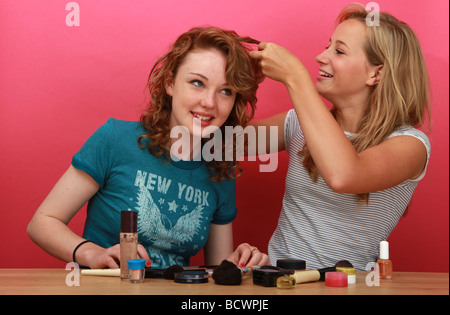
384, 264
128, 240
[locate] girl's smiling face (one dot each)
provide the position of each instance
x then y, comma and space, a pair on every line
345, 72
201, 95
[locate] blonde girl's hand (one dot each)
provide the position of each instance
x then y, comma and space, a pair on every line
247, 255
278, 63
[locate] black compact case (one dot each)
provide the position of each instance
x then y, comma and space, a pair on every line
192, 276
267, 277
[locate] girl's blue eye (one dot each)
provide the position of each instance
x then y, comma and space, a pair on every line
197, 83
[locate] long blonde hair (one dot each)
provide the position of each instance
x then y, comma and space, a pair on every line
402, 95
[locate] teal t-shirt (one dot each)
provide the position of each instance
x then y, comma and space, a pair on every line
175, 201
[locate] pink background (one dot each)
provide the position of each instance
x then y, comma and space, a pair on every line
59, 84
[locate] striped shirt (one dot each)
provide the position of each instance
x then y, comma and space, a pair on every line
323, 227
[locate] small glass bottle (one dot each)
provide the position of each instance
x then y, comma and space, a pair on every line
286, 282
128, 240
136, 270
384, 264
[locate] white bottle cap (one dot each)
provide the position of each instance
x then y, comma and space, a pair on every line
384, 250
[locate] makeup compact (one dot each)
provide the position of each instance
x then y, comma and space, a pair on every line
292, 264
192, 276
267, 277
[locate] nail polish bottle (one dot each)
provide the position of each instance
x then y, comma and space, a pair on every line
128, 240
384, 264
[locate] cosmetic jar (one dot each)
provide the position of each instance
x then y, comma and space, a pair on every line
268, 276
351, 273
286, 282
136, 270
191, 276
336, 279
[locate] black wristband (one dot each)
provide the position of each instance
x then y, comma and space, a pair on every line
76, 248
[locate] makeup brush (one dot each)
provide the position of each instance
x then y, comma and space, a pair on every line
228, 273
343, 263
170, 272
101, 272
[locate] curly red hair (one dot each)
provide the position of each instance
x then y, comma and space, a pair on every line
241, 73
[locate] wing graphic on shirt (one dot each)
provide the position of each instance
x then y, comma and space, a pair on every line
187, 226
155, 226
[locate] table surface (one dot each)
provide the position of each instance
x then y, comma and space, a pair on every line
53, 281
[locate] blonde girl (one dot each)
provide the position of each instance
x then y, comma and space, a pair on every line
352, 169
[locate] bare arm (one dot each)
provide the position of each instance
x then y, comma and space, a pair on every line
343, 169
48, 227
220, 243
220, 246
276, 121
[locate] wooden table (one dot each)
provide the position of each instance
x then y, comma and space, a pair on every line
53, 281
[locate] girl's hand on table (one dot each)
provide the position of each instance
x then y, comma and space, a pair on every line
247, 255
